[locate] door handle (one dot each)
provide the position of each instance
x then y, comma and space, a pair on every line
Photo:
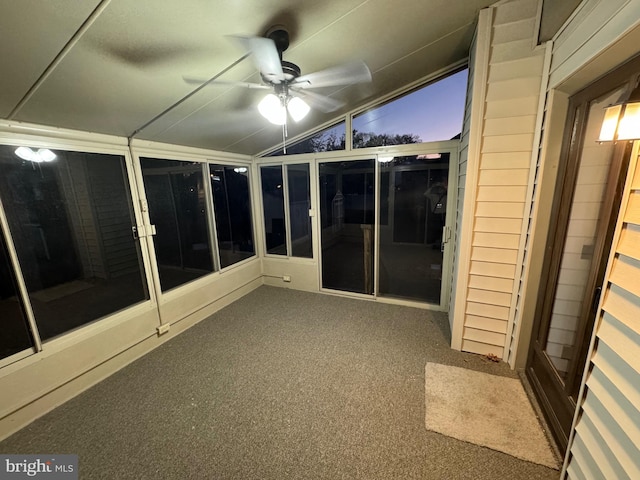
596, 299
446, 234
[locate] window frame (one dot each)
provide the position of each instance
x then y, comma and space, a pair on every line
347, 118
297, 159
204, 160
102, 145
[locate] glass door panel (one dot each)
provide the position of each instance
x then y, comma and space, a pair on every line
412, 218
347, 213
572, 291
586, 200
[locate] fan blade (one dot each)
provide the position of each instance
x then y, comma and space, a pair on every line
320, 102
356, 72
265, 56
200, 81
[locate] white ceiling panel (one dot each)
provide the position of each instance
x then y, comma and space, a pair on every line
126, 70
32, 33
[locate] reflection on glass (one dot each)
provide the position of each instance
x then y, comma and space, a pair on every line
410, 242
177, 207
232, 202
575, 265
299, 205
15, 331
347, 195
70, 218
273, 205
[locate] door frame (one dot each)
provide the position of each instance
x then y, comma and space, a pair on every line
450, 147
559, 410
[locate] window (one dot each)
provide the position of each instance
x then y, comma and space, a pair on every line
232, 203
183, 206
70, 217
178, 208
299, 205
432, 113
286, 210
273, 207
327, 140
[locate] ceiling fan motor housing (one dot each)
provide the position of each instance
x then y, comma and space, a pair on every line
290, 70
280, 37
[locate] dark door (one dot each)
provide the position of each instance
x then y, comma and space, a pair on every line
586, 202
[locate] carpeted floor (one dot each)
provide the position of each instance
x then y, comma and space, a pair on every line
281, 384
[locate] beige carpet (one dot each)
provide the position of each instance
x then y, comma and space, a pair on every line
486, 410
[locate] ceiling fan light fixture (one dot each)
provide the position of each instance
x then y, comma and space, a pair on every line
271, 108
298, 108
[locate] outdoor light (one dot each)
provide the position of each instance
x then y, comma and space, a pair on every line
42, 155
385, 159
622, 119
274, 108
240, 169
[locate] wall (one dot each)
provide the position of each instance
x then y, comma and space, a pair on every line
34, 384
605, 436
499, 171
462, 168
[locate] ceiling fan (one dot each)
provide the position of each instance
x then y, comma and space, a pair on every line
290, 96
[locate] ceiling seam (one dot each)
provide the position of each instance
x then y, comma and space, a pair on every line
63, 53
467, 25
184, 99
357, 7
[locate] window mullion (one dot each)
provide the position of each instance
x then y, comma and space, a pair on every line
287, 209
22, 286
211, 216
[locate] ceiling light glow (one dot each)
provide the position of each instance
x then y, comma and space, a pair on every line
271, 108
42, 155
298, 108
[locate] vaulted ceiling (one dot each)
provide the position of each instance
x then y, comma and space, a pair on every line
114, 66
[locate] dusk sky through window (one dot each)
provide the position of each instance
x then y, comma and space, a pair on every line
434, 112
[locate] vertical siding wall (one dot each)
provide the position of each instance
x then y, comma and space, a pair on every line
502, 172
462, 177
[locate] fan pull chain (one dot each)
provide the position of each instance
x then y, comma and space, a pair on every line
284, 137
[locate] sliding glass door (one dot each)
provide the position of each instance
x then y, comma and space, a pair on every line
413, 209
385, 226
347, 214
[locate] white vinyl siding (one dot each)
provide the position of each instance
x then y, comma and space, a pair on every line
606, 437
503, 171
595, 25
462, 177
